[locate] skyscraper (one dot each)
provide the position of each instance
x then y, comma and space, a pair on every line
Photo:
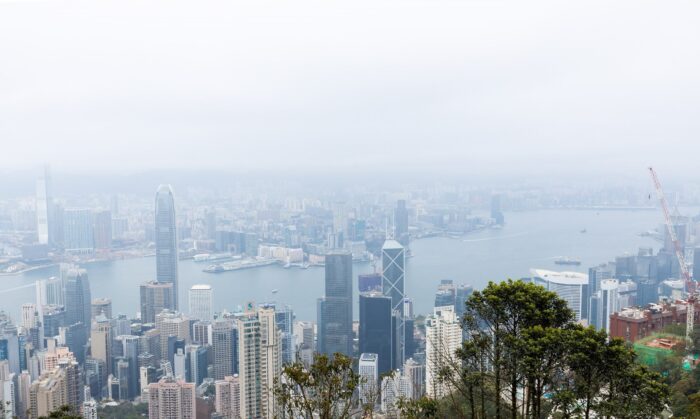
401, 222
102, 306
44, 202
393, 275
443, 337
171, 324
78, 302
369, 376
376, 329
200, 299
225, 347
569, 286
284, 317
696, 264
414, 372
259, 362
335, 309
228, 397
166, 240
103, 230
155, 297
78, 231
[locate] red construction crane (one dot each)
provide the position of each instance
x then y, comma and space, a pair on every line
685, 273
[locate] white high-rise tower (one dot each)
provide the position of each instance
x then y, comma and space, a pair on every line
201, 302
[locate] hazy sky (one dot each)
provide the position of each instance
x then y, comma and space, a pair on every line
460, 86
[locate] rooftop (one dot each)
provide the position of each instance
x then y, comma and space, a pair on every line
562, 278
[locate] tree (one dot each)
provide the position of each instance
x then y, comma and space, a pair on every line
324, 390
501, 314
63, 412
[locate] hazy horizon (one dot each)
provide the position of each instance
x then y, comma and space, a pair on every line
493, 89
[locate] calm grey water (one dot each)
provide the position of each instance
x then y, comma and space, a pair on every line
529, 240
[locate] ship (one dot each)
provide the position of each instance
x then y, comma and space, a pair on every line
567, 261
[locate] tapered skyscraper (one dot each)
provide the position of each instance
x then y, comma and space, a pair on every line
393, 263
166, 240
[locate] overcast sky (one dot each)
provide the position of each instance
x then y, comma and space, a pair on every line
458, 86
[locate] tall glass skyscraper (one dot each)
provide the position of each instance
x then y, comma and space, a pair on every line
166, 240
78, 302
335, 310
393, 272
376, 329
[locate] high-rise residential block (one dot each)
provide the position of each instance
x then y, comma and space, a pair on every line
171, 399
228, 397
443, 337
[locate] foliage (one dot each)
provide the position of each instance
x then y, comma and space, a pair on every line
124, 411
524, 356
63, 412
324, 390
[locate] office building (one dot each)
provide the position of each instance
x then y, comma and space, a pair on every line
369, 282
496, 212
75, 337
225, 348
171, 399
76, 291
696, 264
54, 317
174, 325
414, 372
44, 203
78, 231
569, 286
101, 306
228, 397
368, 370
609, 302
197, 363
101, 342
155, 297
335, 333
443, 337
393, 278
401, 222
375, 329
202, 333
394, 388
166, 241
200, 299
30, 316
102, 230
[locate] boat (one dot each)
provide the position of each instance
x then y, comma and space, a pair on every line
584, 231
274, 291
567, 261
